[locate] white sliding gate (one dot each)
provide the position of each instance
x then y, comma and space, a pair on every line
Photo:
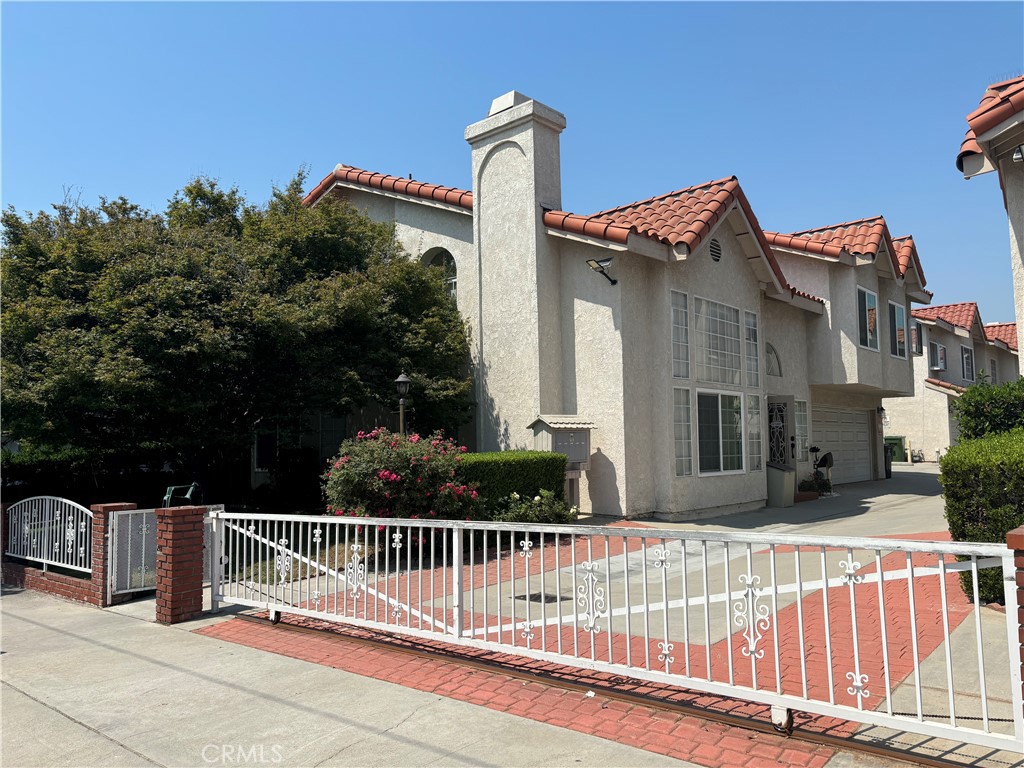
873, 631
51, 531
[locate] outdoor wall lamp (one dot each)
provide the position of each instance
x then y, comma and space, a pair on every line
881, 411
601, 267
402, 385
1018, 154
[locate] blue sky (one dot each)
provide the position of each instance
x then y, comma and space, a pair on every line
826, 112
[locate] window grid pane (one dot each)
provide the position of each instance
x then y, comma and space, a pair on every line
967, 356
754, 432
992, 371
732, 433
717, 342
897, 330
753, 364
680, 337
867, 305
683, 441
800, 407
708, 436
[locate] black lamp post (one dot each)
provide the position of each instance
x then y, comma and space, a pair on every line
402, 385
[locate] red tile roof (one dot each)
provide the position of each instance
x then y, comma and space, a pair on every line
347, 173
1004, 332
592, 226
960, 315
1000, 102
946, 385
862, 237
906, 252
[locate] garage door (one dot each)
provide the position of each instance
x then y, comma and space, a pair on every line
846, 434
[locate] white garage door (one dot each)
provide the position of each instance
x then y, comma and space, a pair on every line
846, 435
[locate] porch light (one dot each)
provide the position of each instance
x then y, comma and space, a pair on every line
881, 411
1018, 154
601, 267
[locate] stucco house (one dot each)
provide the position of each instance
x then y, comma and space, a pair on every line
700, 349
951, 349
995, 142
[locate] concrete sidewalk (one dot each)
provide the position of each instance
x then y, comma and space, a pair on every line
84, 687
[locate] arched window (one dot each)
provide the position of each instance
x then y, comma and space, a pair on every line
771, 362
439, 257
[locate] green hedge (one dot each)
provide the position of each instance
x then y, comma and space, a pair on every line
501, 473
983, 484
986, 409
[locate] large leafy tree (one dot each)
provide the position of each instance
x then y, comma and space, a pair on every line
135, 338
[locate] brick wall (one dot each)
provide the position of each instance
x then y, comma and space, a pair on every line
91, 589
179, 564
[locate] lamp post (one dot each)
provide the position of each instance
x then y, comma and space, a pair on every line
402, 385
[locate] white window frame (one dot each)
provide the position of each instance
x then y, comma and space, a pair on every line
682, 431
743, 432
751, 350
993, 372
917, 338
702, 351
939, 357
965, 353
802, 431
894, 329
680, 336
864, 318
754, 427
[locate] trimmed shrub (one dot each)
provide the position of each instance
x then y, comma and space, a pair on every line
820, 484
381, 474
983, 484
985, 409
542, 508
500, 474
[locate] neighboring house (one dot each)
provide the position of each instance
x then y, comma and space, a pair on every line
700, 349
995, 142
951, 350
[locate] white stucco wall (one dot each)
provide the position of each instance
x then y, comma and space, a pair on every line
1011, 176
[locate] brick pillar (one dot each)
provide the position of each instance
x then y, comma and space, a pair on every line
179, 563
1015, 541
4, 528
101, 521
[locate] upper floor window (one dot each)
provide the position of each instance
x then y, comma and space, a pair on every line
916, 338
867, 318
967, 363
441, 258
897, 330
717, 342
772, 365
936, 356
680, 337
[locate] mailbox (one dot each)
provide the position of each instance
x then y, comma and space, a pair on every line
564, 434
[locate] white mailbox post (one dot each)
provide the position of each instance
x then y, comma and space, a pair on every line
570, 435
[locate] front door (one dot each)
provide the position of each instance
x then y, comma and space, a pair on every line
781, 433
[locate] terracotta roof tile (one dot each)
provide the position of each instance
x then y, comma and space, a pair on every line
1000, 102
946, 385
906, 252
346, 173
862, 237
961, 315
592, 226
1004, 332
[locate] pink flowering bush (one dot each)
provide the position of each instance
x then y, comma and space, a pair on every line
381, 474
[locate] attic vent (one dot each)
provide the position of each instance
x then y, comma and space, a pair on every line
716, 250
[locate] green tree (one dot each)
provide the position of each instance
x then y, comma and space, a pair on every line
135, 338
985, 409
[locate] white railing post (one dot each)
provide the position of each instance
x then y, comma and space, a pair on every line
457, 619
215, 561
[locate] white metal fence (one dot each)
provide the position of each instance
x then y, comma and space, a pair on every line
51, 531
873, 631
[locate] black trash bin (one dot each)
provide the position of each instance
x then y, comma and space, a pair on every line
888, 461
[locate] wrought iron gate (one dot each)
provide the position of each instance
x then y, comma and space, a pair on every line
51, 531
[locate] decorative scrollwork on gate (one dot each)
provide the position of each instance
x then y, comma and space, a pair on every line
69, 535
526, 546
858, 685
666, 652
661, 555
527, 633
316, 600
355, 571
317, 535
748, 611
850, 575
396, 541
283, 561
591, 598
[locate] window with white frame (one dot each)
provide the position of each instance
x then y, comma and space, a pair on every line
867, 318
772, 366
754, 433
680, 336
752, 353
936, 356
897, 330
800, 412
993, 374
717, 342
681, 423
967, 363
719, 432
916, 338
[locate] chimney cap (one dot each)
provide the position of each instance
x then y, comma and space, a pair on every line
507, 101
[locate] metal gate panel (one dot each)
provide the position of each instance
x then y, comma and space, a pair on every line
133, 551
